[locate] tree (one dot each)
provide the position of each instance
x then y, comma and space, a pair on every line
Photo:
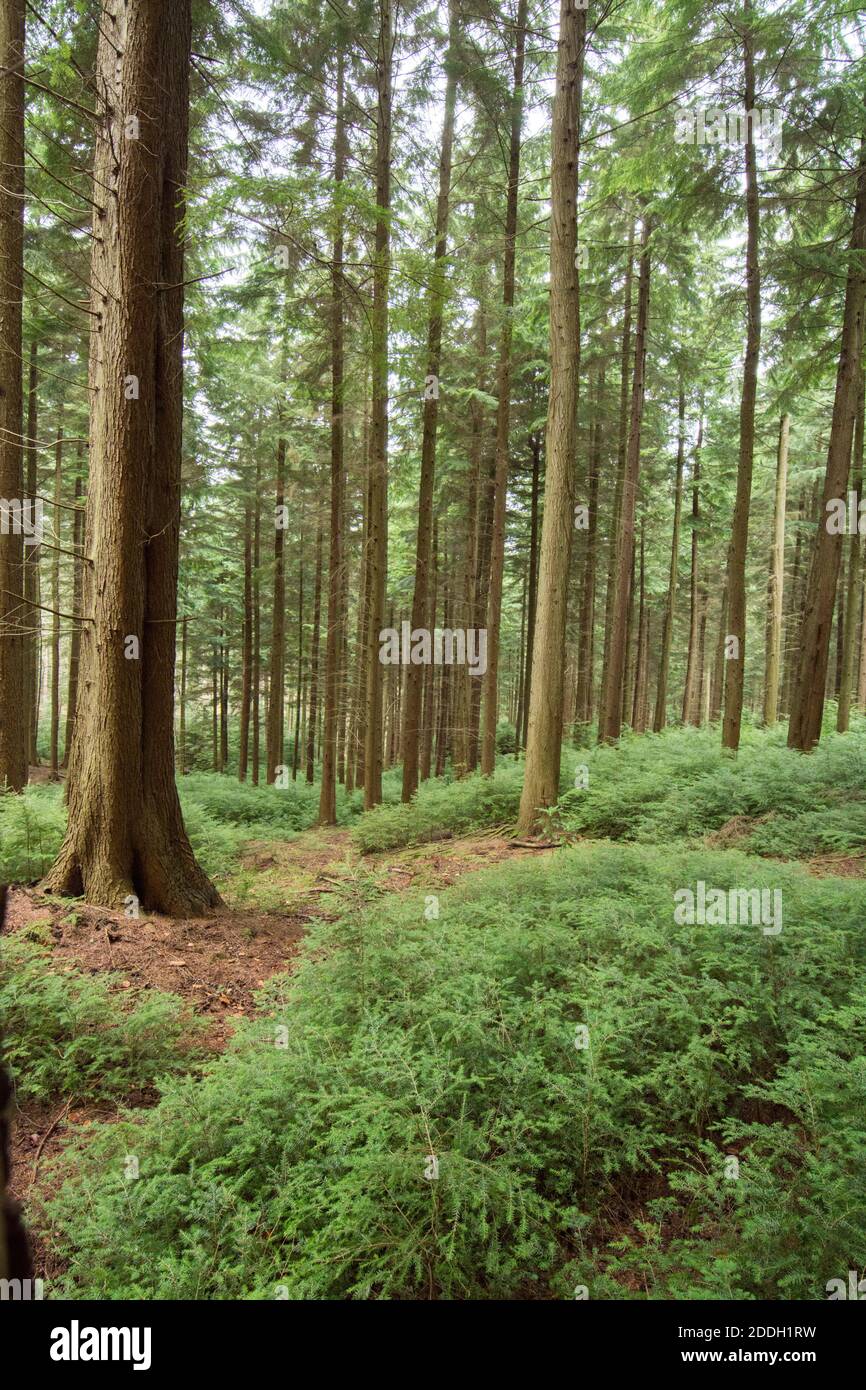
541, 780
125, 837
13, 607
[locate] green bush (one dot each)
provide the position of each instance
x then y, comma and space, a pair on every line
78, 1035
298, 1162
31, 830
441, 808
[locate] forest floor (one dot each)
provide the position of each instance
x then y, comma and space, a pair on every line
217, 963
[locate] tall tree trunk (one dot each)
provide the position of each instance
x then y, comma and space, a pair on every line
125, 833
625, 374
736, 579
31, 568
775, 587
661, 717
429, 720
246, 647
300, 688
586, 637
377, 534
54, 743
415, 673
181, 736
697, 608
544, 741
503, 408
532, 595
313, 712
804, 729
257, 631
75, 638
611, 712
13, 613
855, 582
337, 616
640, 706
276, 671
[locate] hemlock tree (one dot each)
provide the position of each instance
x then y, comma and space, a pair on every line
13, 714
543, 745
125, 833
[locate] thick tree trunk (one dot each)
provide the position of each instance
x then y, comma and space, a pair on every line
125, 835
377, 531
415, 673
611, 713
775, 586
13, 610
544, 741
736, 579
660, 718
804, 729
503, 409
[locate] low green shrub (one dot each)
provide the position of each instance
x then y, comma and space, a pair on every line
72, 1034
441, 808
301, 1164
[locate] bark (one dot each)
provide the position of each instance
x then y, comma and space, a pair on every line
415, 673
775, 586
54, 739
246, 647
640, 707
377, 535
804, 729
13, 613
31, 569
257, 632
532, 596
75, 638
503, 409
125, 832
313, 711
335, 640
625, 372
852, 600
586, 630
736, 577
660, 717
610, 716
276, 669
429, 720
718, 680
697, 599
541, 779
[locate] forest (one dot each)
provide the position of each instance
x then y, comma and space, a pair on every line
433, 650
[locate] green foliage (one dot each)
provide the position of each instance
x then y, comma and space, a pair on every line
303, 1165
441, 808
78, 1035
31, 829
506, 736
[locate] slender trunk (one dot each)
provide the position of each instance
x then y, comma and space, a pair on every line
775, 586
586, 637
300, 688
804, 729
610, 716
75, 638
313, 712
718, 681
641, 679
31, 569
378, 493
246, 647
661, 717
181, 739
736, 576
274, 732
532, 597
852, 602
415, 673
257, 632
544, 741
336, 565
55, 606
697, 608
430, 670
